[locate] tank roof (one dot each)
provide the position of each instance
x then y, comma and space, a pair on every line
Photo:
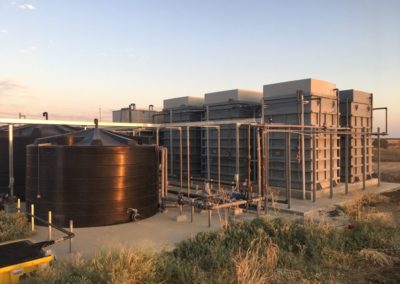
89, 137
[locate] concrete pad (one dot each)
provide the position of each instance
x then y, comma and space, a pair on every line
181, 218
307, 207
160, 232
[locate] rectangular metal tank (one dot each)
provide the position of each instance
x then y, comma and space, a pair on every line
136, 115
234, 141
183, 109
356, 114
283, 105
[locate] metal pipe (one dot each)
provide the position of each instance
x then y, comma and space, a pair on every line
288, 170
188, 158
248, 158
192, 211
162, 172
259, 163
32, 217
71, 231
18, 205
237, 156
208, 145
364, 155
233, 204
166, 172
49, 226
386, 118
11, 159
379, 156
46, 115
158, 136
266, 170
171, 142
181, 159
330, 164
314, 165
219, 157
346, 164
303, 156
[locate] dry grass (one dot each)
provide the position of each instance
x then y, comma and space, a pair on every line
258, 264
124, 265
364, 206
388, 155
376, 258
13, 226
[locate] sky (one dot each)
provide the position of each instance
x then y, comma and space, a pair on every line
73, 57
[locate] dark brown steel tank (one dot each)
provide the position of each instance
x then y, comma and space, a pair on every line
92, 177
23, 136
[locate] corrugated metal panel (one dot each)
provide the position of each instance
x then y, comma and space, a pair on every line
228, 143
356, 113
283, 106
183, 114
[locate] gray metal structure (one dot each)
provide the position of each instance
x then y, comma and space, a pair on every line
356, 114
177, 110
132, 114
307, 102
237, 140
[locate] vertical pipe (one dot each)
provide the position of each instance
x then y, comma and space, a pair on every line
209, 218
50, 228
364, 155
303, 155
219, 157
237, 156
331, 163
162, 172
33, 217
266, 170
259, 163
346, 162
166, 172
262, 111
11, 158
288, 169
386, 120
180, 159
379, 156
192, 210
158, 136
71, 230
248, 157
171, 142
18, 205
188, 158
208, 146
314, 165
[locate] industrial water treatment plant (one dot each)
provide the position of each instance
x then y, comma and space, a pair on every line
229, 149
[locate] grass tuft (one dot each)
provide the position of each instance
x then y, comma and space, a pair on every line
13, 226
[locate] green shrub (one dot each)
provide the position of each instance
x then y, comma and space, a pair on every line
258, 251
13, 226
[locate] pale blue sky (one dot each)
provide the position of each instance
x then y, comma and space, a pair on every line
70, 57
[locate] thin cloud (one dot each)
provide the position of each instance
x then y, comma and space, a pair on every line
28, 50
26, 7
4, 31
7, 86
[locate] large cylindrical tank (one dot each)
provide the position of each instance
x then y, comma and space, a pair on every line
23, 136
92, 177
